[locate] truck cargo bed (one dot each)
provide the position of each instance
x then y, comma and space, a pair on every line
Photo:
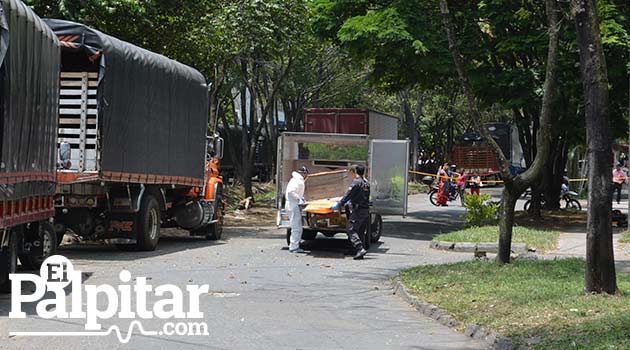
129, 115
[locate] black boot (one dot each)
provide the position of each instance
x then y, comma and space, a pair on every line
360, 254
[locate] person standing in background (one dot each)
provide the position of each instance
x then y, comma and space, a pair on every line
475, 184
444, 188
619, 177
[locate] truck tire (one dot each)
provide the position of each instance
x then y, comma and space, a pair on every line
47, 236
307, 235
60, 231
8, 258
147, 224
215, 231
376, 228
367, 241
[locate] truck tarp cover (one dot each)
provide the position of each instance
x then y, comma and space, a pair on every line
153, 111
29, 52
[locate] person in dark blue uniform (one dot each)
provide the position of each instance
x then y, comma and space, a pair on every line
358, 195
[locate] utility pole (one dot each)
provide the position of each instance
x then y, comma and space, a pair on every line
628, 150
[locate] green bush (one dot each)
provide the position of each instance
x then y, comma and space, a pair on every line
480, 210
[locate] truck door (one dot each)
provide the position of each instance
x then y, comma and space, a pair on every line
389, 164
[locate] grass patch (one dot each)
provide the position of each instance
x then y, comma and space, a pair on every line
536, 303
625, 237
542, 240
418, 188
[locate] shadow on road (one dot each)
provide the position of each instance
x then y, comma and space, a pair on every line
104, 252
424, 225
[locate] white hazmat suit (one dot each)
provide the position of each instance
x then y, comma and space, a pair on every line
294, 197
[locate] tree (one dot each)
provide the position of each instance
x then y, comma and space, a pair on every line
514, 185
600, 263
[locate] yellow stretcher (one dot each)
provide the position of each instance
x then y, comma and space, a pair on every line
322, 206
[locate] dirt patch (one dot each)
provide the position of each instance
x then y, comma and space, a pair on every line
557, 220
256, 216
261, 210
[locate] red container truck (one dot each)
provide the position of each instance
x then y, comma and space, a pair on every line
28, 123
351, 121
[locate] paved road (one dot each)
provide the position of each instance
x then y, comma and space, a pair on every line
265, 298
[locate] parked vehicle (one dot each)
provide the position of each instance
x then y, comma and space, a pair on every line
135, 123
262, 162
28, 104
456, 193
473, 153
327, 156
351, 121
565, 194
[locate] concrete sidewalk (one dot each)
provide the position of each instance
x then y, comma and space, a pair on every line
573, 244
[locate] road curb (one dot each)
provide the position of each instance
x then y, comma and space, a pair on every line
469, 247
491, 338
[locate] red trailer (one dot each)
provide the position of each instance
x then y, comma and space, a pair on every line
351, 121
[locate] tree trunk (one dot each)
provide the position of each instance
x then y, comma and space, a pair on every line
506, 222
514, 187
535, 204
554, 175
600, 262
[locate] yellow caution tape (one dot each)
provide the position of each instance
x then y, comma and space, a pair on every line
494, 181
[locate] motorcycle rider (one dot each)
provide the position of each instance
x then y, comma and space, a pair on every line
359, 195
294, 197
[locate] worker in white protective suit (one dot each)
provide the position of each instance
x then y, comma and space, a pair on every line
294, 197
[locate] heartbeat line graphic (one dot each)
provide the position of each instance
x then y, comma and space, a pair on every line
110, 330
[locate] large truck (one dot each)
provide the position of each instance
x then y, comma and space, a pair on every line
132, 143
233, 139
29, 53
353, 121
473, 154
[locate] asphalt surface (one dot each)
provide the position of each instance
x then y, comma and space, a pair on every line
263, 297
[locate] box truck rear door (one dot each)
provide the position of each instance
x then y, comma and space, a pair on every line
389, 164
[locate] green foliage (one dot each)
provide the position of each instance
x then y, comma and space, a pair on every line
480, 210
625, 237
540, 239
539, 304
332, 152
398, 186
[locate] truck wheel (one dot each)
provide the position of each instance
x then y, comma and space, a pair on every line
60, 231
8, 259
215, 231
366, 239
47, 237
376, 228
307, 235
147, 224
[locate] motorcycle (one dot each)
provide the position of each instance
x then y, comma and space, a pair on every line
435, 190
567, 196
